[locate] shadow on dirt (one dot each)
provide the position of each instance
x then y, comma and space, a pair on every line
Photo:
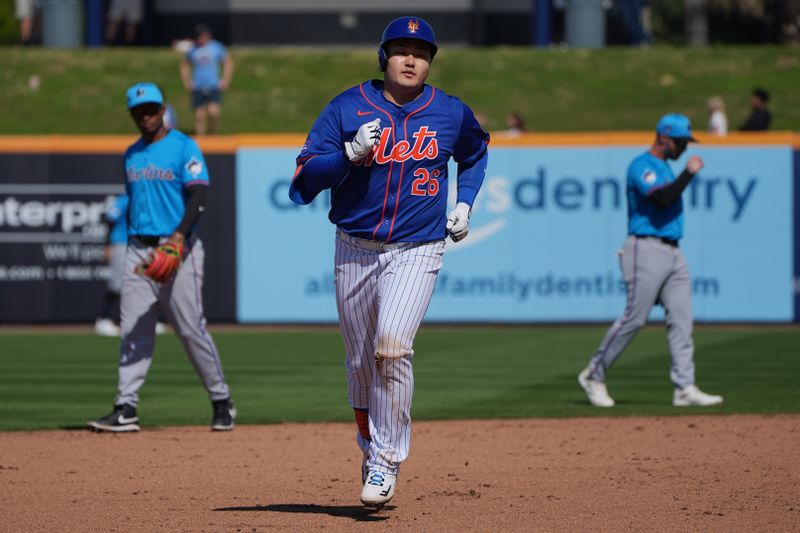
356, 512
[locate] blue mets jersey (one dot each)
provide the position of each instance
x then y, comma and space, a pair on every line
205, 62
117, 215
156, 178
646, 174
398, 192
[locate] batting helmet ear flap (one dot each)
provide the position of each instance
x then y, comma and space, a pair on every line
382, 58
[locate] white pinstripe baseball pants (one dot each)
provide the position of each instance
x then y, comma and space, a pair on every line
382, 294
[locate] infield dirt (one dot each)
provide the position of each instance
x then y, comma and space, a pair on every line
683, 473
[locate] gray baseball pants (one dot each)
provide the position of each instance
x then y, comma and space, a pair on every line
182, 302
654, 272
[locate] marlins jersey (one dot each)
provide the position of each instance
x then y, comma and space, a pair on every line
398, 192
156, 178
646, 174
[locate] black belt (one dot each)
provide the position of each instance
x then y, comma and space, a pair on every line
148, 240
670, 242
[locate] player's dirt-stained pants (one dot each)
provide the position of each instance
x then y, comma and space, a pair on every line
653, 272
382, 294
181, 300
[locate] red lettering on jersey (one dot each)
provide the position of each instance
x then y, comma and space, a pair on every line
425, 147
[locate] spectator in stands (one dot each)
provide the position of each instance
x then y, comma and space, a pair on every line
200, 75
630, 13
717, 121
515, 125
129, 11
760, 117
26, 13
482, 119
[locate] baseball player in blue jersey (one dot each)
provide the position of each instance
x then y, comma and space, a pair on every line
654, 267
382, 148
167, 183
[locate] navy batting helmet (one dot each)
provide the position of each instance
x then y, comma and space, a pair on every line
406, 28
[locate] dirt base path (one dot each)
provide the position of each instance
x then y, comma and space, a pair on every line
708, 473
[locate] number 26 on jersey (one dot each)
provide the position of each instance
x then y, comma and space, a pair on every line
425, 182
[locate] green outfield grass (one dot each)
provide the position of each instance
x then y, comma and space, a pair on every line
61, 380
283, 89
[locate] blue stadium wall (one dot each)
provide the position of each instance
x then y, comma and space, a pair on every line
542, 246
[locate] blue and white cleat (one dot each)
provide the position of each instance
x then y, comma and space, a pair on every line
378, 489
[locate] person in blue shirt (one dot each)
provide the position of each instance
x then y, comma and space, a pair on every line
654, 267
167, 181
200, 75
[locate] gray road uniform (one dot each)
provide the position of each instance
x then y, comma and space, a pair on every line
164, 180
654, 268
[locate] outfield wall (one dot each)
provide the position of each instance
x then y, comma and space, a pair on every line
52, 234
542, 246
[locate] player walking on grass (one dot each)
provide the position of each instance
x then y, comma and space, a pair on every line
654, 267
167, 182
382, 148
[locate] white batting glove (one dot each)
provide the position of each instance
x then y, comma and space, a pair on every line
366, 137
458, 222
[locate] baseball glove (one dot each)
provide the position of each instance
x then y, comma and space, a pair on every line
163, 262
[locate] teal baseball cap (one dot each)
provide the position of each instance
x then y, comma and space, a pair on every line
144, 93
676, 126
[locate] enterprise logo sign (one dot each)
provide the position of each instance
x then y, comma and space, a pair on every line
41, 213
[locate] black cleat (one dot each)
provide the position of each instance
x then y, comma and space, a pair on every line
224, 415
122, 419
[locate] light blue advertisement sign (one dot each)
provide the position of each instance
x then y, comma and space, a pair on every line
543, 239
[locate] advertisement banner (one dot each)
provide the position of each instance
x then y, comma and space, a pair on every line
543, 239
52, 235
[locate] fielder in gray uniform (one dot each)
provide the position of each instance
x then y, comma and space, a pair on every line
654, 267
167, 182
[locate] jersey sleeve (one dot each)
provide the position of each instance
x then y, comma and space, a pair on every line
643, 178
325, 136
472, 155
222, 52
325, 146
193, 165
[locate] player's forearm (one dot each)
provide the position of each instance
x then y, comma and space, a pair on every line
670, 194
470, 179
324, 171
195, 205
315, 174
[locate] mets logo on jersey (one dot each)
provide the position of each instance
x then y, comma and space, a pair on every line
413, 25
425, 147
